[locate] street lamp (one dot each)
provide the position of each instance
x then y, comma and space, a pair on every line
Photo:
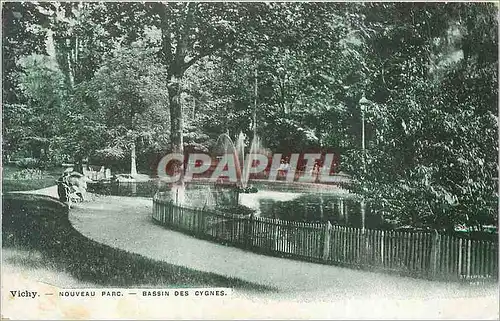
363, 102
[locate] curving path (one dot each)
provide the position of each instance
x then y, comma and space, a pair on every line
125, 223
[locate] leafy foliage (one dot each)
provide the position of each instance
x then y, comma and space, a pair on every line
132, 95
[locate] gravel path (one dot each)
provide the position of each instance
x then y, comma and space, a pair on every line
125, 223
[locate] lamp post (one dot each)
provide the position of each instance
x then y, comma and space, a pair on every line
363, 102
256, 93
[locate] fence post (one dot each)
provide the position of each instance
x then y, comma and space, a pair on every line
249, 231
435, 253
199, 218
276, 235
154, 208
162, 212
468, 273
365, 247
159, 208
326, 241
173, 213
459, 268
382, 240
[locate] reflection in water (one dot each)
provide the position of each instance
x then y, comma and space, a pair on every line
310, 208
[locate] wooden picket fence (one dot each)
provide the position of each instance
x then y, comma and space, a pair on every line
420, 254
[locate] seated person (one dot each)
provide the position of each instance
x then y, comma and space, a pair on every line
63, 189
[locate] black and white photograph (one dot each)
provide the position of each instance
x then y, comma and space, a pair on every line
249, 160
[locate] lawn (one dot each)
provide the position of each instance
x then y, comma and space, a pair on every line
10, 184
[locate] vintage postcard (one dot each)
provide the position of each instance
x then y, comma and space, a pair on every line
249, 160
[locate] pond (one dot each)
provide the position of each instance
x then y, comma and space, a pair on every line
134, 189
268, 202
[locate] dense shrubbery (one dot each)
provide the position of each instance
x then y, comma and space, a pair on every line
236, 209
28, 173
28, 163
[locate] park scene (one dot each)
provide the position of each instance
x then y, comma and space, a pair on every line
302, 151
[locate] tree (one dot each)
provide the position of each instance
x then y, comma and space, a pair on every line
187, 33
22, 35
81, 36
132, 95
34, 125
290, 52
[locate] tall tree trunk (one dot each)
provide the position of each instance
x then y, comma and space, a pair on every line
133, 163
176, 117
176, 124
176, 67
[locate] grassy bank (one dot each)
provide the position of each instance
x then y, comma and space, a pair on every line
40, 223
11, 184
